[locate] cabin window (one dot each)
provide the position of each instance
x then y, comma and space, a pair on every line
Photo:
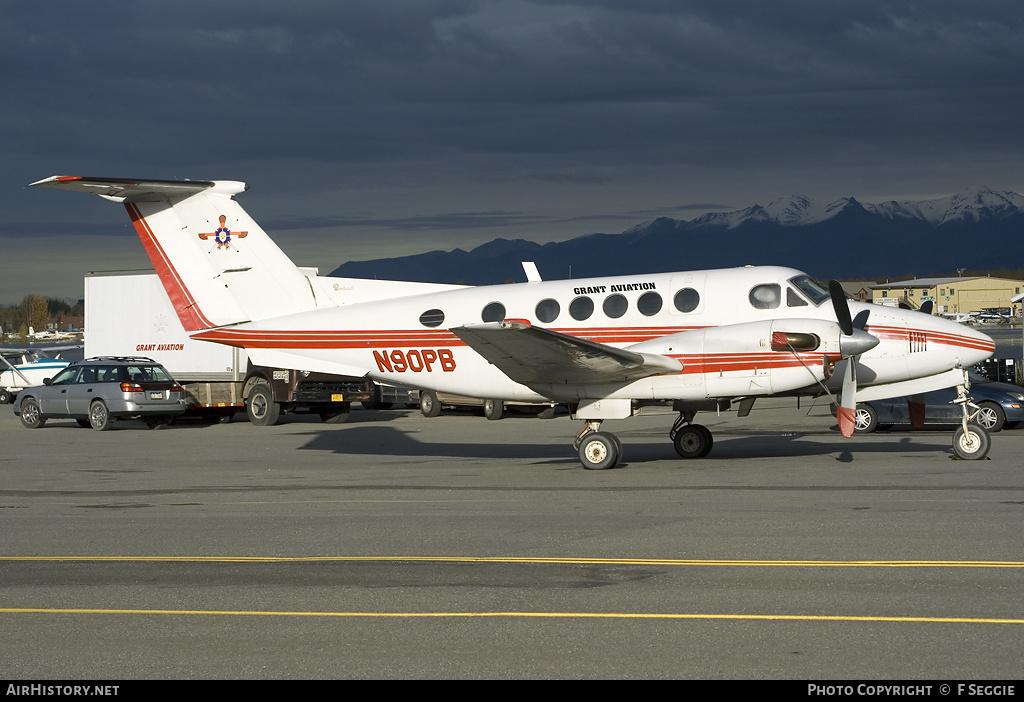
794, 300
547, 310
615, 306
686, 300
581, 308
766, 296
432, 318
494, 312
649, 304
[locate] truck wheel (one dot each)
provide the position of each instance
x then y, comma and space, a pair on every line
260, 406
337, 414
160, 422
429, 405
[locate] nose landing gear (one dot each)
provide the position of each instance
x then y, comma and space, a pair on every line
970, 441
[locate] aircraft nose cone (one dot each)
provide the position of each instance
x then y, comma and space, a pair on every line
856, 343
975, 346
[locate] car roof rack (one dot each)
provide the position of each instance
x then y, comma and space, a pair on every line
126, 359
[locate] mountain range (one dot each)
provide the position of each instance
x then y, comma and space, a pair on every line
977, 229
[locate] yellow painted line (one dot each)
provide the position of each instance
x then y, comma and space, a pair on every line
533, 560
528, 615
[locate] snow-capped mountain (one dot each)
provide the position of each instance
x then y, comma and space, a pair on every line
974, 204
976, 229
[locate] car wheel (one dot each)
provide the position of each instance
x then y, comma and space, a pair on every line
991, 416
971, 445
429, 405
493, 409
260, 406
865, 419
31, 417
99, 416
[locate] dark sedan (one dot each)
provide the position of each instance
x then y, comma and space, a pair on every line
1001, 405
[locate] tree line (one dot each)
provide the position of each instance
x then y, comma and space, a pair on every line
35, 311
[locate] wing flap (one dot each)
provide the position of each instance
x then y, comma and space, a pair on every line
536, 356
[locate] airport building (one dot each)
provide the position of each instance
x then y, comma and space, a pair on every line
951, 295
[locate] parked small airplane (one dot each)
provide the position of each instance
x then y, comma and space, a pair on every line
702, 339
47, 335
25, 368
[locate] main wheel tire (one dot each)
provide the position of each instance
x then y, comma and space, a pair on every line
494, 409
336, 415
600, 451
6, 397
260, 406
865, 419
546, 413
99, 416
31, 416
990, 417
693, 441
84, 423
972, 445
429, 405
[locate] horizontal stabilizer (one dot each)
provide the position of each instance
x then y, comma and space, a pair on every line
536, 356
126, 189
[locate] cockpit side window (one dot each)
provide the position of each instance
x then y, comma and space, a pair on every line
812, 288
766, 296
793, 299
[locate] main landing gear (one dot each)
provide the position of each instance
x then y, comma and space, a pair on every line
691, 440
601, 450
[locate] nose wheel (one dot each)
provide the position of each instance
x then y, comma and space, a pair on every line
970, 442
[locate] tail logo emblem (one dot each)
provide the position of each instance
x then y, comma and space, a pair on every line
223, 235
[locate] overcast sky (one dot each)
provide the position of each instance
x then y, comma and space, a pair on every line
376, 129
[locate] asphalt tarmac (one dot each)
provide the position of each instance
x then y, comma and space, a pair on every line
396, 546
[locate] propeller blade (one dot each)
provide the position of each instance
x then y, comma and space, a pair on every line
839, 304
861, 320
846, 412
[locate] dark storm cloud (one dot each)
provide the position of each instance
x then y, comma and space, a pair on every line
509, 114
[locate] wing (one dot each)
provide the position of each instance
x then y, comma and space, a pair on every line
536, 356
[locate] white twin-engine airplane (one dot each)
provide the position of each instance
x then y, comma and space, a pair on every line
702, 339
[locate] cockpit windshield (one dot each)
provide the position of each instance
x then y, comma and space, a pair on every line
815, 290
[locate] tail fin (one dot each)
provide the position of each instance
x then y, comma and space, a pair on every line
216, 264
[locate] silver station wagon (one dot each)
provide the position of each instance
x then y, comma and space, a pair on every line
99, 390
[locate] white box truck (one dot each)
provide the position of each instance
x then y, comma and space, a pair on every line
127, 313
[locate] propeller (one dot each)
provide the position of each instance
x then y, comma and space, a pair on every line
853, 342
